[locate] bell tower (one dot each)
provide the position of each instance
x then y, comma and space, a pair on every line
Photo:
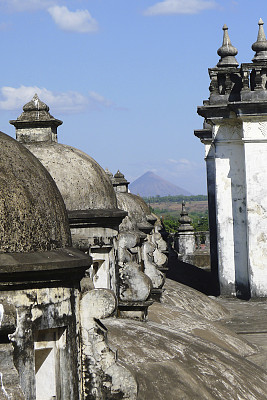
235, 138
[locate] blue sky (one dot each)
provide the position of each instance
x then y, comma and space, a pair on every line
125, 76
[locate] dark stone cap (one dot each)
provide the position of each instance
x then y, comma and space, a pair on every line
36, 111
119, 178
94, 218
65, 265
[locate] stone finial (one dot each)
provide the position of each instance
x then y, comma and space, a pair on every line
185, 220
36, 111
260, 46
35, 105
227, 52
119, 175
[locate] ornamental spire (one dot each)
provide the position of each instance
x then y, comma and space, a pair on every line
227, 52
185, 220
260, 46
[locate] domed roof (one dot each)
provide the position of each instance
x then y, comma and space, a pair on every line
136, 216
183, 352
33, 214
83, 184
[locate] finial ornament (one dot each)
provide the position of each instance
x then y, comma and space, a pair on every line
185, 220
227, 52
35, 105
260, 46
118, 174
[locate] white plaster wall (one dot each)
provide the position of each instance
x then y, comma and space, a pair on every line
44, 134
255, 144
101, 278
231, 209
210, 168
186, 243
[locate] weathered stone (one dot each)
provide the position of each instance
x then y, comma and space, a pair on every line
236, 113
86, 189
171, 363
136, 221
227, 51
102, 377
30, 203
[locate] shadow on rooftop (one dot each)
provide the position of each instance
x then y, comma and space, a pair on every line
190, 275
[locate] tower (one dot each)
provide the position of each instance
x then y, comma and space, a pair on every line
235, 138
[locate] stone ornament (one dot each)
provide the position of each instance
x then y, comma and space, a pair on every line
227, 51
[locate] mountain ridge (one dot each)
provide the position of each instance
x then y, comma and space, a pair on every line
150, 184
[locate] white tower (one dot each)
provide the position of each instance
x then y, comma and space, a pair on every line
236, 155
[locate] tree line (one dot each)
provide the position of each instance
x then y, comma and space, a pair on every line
174, 199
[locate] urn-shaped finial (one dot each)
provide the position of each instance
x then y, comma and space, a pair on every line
227, 51
185, 220
260, 46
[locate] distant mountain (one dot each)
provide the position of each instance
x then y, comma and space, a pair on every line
151, 184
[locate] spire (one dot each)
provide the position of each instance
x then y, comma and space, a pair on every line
35, 105
227, 52
119, 175
260, 46
185, 221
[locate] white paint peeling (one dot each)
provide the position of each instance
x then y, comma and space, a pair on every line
1, 313
3, 387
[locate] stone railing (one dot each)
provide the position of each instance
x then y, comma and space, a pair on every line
238, 84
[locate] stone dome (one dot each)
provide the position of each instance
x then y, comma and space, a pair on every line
184, 352
33, 214
136, 215
83, 184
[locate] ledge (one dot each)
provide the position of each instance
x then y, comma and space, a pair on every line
93, 218
66, 264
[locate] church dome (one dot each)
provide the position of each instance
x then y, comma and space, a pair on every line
136, 215
33, 214
82, 182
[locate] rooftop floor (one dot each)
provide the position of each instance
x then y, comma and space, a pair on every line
249, 320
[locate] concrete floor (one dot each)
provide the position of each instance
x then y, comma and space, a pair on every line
247, 318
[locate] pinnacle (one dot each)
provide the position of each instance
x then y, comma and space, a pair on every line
260, 46
227, 51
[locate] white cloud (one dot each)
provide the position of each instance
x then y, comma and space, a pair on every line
15, 98
182, 162
63, 102
26, 5
169, 7
98, 98
79, 21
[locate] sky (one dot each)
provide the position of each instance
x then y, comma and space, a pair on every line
124, 76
